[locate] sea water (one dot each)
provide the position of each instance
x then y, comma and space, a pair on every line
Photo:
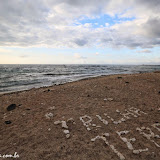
24, 77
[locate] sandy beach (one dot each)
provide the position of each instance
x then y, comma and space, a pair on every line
109, 117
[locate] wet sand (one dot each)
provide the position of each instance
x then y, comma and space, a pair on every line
110, 117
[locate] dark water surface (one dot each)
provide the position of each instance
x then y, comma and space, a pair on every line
22, 77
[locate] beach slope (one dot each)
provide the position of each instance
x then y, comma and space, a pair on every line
109, 117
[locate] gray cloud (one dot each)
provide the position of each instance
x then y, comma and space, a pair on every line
154, 4
152, 27
144, 51
81, 42
51, 23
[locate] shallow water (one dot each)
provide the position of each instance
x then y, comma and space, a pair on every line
22, 77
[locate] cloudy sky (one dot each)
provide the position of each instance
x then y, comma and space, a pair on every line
79, 32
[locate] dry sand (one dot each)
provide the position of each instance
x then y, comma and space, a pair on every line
39, 128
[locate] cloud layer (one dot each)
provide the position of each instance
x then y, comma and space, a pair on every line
52, 23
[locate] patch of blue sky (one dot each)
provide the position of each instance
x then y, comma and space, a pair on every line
103, 20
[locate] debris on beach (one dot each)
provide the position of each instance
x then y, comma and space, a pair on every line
4, 116
108, 99
103, 137
117, 122
93, 139
52, 108
150, 136
119, 77
139, 151
156, 126
23, 114
129, 144
86, 123
48, 90
64, 126
57, 122
66, 131
11, 107
117, 111
49, 115
67, 135
122, 132
71, 120
8, 122
106, 134
134, 112
102, 120
137, 111
113, 121
86, 120
127, 114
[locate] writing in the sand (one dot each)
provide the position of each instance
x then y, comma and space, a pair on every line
146, 132
15, 155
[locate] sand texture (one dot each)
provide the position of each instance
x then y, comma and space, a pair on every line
106, 118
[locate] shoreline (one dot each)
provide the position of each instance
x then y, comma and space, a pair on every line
87, 78
39, 80
85, 119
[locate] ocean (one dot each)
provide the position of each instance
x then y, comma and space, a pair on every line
23, 77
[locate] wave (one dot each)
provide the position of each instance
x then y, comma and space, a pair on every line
58, 74
14, 77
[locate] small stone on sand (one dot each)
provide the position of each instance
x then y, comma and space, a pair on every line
57, 122
66, 131
11, 107
49, 115
8, 122
67, 135
52, 108
64, 125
